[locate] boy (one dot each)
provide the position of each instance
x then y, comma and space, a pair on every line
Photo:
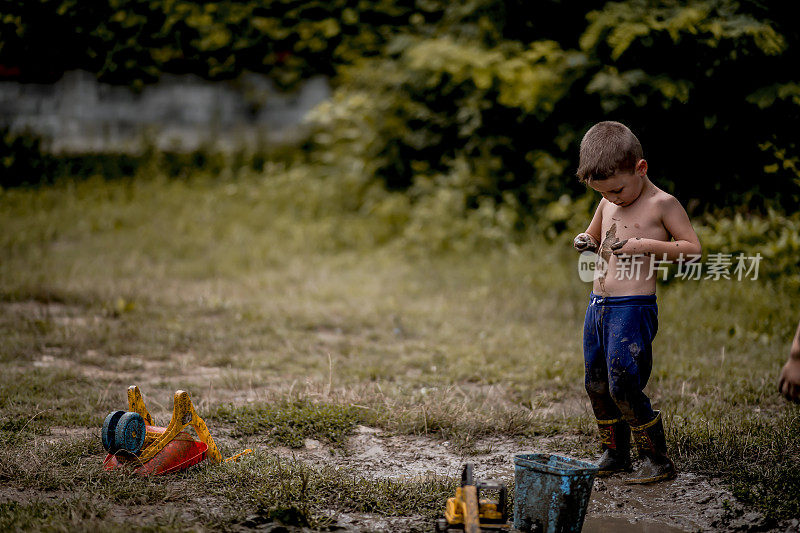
633, 220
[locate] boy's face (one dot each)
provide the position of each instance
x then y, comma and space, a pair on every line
623, 188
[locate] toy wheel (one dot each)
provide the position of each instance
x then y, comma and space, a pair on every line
109, 430
130, 433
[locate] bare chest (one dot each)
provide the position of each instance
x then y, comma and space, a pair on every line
639, 220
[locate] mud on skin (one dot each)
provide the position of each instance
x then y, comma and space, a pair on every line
605, 252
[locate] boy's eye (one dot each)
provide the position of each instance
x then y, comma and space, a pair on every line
616, 191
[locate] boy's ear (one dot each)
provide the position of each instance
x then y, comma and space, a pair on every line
641, 167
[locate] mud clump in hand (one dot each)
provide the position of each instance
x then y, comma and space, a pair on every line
585, 243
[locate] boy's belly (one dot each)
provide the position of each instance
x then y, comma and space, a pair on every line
626, 277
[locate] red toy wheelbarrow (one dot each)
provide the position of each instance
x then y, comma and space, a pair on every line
132, 439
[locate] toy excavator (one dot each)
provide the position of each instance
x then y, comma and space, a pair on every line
132, 439
468, 512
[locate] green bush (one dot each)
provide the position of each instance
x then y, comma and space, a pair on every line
775, 236
506, 87
134, 42
22, 160
25, 161
697, 82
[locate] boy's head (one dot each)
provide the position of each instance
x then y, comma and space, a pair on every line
606, 149
611, 162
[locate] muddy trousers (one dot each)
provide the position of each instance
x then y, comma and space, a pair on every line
617, 336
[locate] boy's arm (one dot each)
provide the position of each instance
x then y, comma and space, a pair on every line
596, 225
677, 223
581, 243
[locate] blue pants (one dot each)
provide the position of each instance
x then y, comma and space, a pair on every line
617, 336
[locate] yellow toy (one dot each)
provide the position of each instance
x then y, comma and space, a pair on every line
133, 437
469, 512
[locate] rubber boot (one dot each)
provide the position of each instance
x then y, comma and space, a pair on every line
615, 437
652, 446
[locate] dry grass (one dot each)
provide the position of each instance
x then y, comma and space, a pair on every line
253, 294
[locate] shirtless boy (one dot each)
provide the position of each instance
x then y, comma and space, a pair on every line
634, 221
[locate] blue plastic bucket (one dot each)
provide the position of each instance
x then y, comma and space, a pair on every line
551, 492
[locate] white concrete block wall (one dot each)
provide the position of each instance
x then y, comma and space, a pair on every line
79, 114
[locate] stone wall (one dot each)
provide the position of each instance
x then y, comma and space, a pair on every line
78, 114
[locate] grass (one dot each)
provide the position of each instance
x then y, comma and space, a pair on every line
290, 423
259, 484
287, 319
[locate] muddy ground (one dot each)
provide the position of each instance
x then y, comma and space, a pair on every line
688, 503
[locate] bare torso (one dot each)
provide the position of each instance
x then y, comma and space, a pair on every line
641, 219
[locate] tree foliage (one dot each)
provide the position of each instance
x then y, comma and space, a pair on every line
430, 91
706, 85
136, 41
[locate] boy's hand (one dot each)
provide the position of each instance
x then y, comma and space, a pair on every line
585, 243
789, 380
627, 247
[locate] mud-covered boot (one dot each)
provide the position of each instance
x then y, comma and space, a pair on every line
615, 437
652, 446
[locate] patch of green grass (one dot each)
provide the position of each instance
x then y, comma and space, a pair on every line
289, 423
479, 412
32, 400
74, 466
79, 514
394, 497
266, 482
466, 414
70, 515
259, 483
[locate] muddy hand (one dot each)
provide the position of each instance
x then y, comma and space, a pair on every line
617, 246
789, 380
585, 243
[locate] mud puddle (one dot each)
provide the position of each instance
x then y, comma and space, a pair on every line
607, 524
